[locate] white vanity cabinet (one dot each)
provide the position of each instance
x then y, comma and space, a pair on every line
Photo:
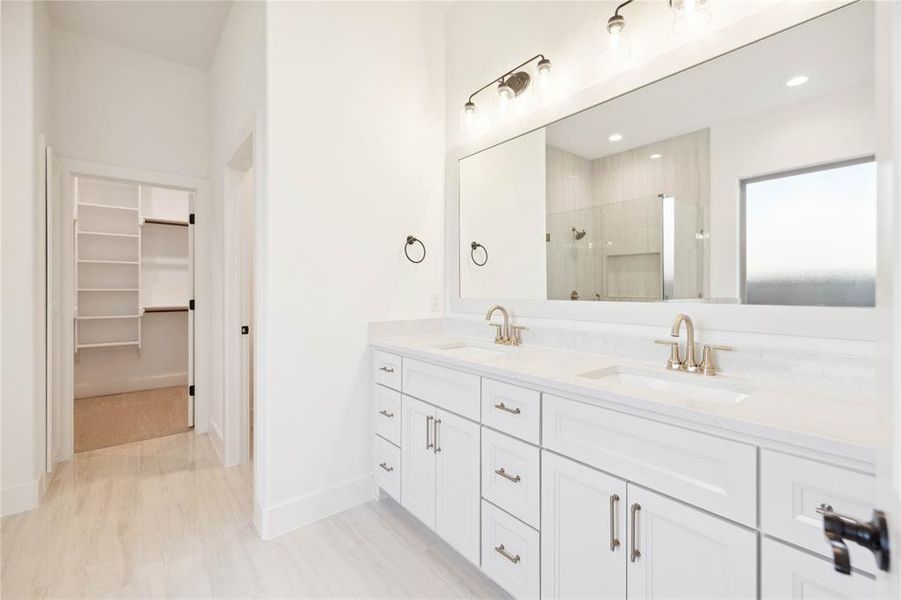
787, 573
440, 476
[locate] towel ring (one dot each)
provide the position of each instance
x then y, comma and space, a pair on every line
472, 254
410, 241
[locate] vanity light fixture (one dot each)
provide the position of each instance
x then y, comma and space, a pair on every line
618, 44
615, 137
509, 85
690, 15
797, 80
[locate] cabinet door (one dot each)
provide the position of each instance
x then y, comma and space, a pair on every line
583, 536
457, 507
790, 573
418, 460
680, 552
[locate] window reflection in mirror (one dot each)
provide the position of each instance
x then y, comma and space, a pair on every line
739, 180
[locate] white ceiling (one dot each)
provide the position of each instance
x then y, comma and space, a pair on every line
834, 51
185, 31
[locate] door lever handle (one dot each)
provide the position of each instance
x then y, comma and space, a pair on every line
872, 535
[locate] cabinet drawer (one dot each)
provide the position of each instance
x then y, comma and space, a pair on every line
387, 369
452, 390
387, 467
512, 409
510, 552
792, 488
386, 404
713, 473
511, 476
790, 573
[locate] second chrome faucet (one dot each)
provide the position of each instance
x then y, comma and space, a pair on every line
707, 365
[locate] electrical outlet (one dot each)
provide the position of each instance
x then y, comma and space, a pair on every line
436, 302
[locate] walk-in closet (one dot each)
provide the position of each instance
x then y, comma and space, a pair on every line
133, 282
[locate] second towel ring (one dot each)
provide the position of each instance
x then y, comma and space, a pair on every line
410, 241
472, 254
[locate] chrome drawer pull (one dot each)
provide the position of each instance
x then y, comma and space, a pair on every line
437, 447
387, 369
428, 437
614, 508
503, 552
386, 467
386, 413
503, 407
635, 552
505, 475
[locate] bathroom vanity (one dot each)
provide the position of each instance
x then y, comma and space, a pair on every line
563, 474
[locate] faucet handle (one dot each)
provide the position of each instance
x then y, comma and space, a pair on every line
515, 339
674, 362
708, 365
498, 336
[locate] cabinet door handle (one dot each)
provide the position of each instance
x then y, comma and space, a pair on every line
614, 509
505, 475
437, 447
386, 413
505, 408
636, 554
387, 369
428, 432
503, 552
386, 467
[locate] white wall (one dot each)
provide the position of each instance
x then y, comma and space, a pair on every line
25, 58
502, 206
118, 106
237, 91
355, 164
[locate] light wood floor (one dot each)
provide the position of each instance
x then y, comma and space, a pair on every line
104, 421
161, 518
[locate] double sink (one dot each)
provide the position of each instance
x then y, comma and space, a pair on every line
628, 380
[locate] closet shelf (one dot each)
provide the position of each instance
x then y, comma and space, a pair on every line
152, 221
107, 317
107, 206
108, 262
107, 234
108, 344
166, 308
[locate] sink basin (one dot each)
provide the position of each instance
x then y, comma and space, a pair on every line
472, 351
674, 386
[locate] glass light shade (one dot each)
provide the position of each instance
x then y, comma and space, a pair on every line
505, 92
690, 15
468, 117
619, 46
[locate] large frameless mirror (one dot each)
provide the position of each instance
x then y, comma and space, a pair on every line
750, 178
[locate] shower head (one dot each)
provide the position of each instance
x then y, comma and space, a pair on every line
578, 233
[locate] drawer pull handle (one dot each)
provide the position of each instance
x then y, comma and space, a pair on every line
386, 467
428, 429
387, 369
505, 475
503, 552
614, 536
505, 408
386, 413
636, 554
437, 447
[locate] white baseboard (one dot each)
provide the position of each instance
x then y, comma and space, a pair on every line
217, 440
136, 384
294, 514
25, 496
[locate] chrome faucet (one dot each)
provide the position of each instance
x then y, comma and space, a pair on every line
506, 333
689, 364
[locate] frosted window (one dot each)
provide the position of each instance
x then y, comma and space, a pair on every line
810, 237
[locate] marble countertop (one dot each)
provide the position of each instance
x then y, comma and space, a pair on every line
830, 420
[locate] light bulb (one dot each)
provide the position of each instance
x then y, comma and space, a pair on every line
544, 68
469, 116
618, 44
505, 92
690, 15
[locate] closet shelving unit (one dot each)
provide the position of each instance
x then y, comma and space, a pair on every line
132, 258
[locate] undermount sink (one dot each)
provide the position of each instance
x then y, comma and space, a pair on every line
637, 381
472, 351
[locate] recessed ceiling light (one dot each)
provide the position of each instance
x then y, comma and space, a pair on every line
656, 156
796, 81
615, 137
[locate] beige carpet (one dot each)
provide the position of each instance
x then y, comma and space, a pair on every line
104, 421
